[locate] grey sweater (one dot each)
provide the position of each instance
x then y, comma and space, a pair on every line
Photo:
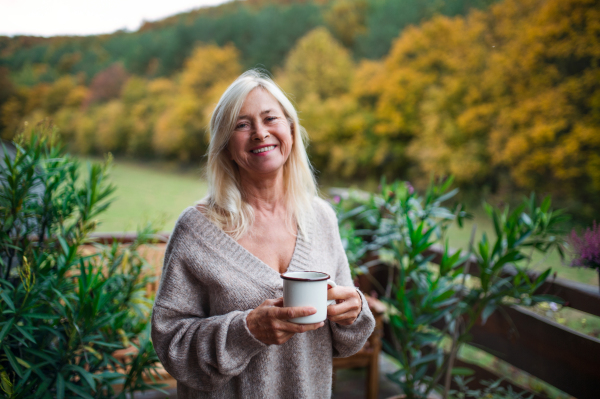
209, 285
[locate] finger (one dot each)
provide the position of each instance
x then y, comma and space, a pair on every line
292, 312
295, 328
341, 308
271, 302
278, 302
341, 293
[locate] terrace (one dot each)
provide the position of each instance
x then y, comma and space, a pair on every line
531, 353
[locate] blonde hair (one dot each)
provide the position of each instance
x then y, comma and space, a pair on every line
225, 205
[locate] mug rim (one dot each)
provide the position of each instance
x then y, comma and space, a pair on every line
325, 277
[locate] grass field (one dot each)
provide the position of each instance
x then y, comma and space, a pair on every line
459, 238
149, 192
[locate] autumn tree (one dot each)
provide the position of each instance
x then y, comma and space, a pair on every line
180, 129
508, 96
317, 64
347, 19
107, 84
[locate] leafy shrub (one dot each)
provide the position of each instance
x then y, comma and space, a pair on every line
428, 303
64, 310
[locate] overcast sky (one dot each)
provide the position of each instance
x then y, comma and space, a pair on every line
86, 17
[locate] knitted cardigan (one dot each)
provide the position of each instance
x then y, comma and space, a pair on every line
209, 285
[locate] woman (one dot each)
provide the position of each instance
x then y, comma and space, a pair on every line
218, 325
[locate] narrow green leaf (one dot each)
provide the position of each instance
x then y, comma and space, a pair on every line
6, 328
78, 390
45, 316
25, 333
546, 204
23, 363
425, 359
462, 371
23, 380
489, 309
60, 386
13, 361
41, 354
7, 299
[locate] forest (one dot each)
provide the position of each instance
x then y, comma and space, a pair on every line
502, 95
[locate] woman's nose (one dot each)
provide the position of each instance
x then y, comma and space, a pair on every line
260, 133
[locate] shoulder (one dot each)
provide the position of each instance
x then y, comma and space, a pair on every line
191, 224
188, 218
321, 205
323, 211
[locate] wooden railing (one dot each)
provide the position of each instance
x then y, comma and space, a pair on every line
558, 355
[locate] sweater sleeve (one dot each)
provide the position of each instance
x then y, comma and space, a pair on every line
199, 351
347, 340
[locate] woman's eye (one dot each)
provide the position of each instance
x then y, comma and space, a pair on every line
271, 118
242, 126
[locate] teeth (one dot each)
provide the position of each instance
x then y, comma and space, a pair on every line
269, 148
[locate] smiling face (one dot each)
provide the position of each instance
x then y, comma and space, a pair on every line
262, 139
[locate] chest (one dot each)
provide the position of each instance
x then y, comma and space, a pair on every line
273, 244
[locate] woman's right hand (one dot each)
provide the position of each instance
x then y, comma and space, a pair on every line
269, 322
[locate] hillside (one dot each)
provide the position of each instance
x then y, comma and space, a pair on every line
262, 30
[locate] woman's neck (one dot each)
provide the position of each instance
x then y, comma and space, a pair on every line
264, 194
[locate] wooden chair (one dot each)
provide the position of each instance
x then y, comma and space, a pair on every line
368, 356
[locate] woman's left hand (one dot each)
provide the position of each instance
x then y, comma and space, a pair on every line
348, 305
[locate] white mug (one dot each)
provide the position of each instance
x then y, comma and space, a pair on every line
307, 289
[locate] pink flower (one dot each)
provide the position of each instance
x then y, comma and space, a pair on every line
586, 248
337, 199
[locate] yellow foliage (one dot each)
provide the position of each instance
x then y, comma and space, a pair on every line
111, 127
11, 117
174, 129
76, 96
317, 64
58, 93
85, 133
347, 19
161, 86
515, 88
209, 65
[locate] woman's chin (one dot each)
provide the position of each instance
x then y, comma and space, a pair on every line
265, 168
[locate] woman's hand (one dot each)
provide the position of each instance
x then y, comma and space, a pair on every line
269, 322
348, 305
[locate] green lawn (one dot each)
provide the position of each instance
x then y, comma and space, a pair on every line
459, 238
149, 192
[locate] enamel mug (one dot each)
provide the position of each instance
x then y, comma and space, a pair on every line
307, 289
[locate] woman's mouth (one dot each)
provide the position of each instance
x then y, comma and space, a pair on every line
263, 149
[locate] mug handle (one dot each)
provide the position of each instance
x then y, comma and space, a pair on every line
332, 284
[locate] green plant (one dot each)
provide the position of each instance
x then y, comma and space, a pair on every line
402, 228
491, 390
66, 310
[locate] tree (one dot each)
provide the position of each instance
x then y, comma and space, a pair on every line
317, 64
209, 65
347, 19
107, 84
